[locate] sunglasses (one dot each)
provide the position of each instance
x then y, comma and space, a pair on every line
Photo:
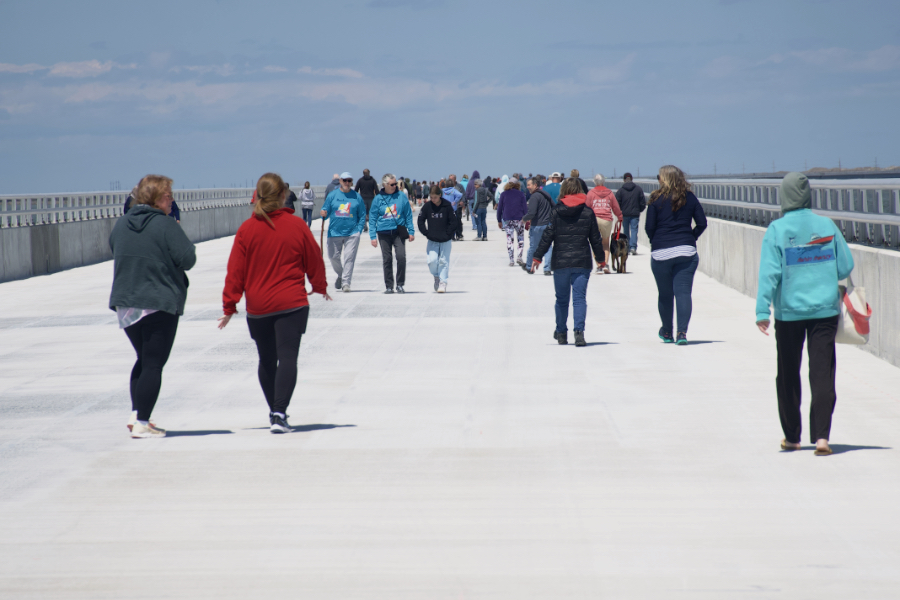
391, 183
347, 180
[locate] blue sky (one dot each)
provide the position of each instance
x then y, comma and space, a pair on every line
217, 93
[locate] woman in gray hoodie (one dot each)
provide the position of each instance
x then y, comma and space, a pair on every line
150, 256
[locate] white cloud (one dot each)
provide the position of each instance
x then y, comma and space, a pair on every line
87, 68
221, 70
273, 69
29, 68
886, 58
331, 72
607, 74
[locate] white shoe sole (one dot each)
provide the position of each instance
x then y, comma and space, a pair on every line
278, 429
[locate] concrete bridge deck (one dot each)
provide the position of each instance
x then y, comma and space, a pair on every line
445, 447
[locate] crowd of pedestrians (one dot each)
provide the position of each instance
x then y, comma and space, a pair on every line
570, 225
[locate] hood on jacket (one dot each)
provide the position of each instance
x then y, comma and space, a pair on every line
140, 215
628, 186
795, 192
573, 200
470, 187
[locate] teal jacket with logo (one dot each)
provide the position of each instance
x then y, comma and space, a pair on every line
346, 213
388, 211
803, 257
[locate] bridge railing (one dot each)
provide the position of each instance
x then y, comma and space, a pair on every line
866, 213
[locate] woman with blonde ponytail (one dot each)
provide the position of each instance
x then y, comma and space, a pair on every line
273, 254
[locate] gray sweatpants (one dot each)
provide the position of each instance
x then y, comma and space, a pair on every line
342, 253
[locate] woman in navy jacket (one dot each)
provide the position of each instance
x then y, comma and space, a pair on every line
675, 220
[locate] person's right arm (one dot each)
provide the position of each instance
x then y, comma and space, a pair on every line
769, 275
532, 208
544, 245
235, 275
325, 213
650, 222
373, 216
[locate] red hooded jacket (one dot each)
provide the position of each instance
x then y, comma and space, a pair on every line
269, 263
603, 202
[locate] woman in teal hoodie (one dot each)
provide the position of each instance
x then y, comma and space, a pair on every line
803, 257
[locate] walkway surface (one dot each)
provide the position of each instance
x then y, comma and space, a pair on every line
445, 448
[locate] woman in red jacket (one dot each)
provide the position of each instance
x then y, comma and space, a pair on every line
273, 252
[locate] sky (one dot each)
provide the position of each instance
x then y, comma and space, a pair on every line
216, 93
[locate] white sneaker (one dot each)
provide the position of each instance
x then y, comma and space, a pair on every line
133, 420
442, 287
345, 289
139, 431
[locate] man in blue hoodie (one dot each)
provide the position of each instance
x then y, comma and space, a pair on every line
346, 214
803, 257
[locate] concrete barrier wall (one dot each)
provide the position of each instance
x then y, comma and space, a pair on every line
729, 253
42, 249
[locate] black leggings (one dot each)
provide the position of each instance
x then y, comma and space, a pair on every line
278, 343
152, 338
789, 337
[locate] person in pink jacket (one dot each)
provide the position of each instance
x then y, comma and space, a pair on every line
604, 204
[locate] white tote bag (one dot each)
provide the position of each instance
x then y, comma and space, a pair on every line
853, 323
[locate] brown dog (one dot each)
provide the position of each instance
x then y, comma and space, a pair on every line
618, 251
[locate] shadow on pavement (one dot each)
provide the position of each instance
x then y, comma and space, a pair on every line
317, 427
698, 342
841, 448
600, 344
170, 433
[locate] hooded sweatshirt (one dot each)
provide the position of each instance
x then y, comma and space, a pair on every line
512, 206
603, 202
803, 257
631, 199
346, 213
270, 263
388, 211
452, 195
500, 187
150, 256
438, 223
574, 234
470, 187
335, 184
367, 187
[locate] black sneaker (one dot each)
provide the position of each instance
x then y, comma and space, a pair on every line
579, 338
561, 338
681, 340
437, 282
548, 273
400, 289
389, 291
337, 283
666, 336
278, 424
527, 270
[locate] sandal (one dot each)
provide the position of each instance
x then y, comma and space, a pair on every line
785, 445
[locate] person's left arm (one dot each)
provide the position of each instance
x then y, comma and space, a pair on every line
408, 217
617, 210
699, 218
843, 254
596, 240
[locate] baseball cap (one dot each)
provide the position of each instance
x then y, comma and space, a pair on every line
556, 174
346, 175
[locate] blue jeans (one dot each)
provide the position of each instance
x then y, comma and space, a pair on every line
534, 238
439, 259
307, 215
674, 280
481, 222
571, 281
631, 225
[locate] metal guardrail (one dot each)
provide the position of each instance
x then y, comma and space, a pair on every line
24, 210
866, 213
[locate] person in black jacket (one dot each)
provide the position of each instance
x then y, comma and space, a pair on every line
632, 202
290, 198
573, 233
439, 224
367, 188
